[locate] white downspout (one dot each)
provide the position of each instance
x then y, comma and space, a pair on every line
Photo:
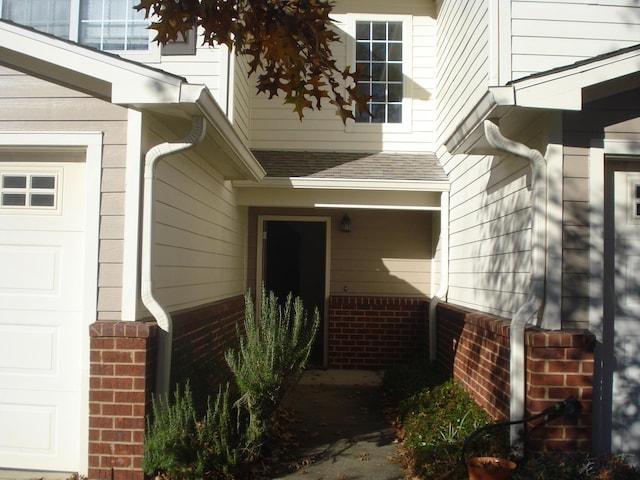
444, 275
528, 311
148, 299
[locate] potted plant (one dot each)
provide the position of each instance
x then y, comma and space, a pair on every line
489, 468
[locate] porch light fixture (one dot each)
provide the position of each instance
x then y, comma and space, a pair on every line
345, 224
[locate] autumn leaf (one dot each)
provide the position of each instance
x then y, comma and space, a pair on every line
290, 37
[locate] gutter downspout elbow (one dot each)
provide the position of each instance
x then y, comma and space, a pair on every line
530, 309
444, 276
149, 300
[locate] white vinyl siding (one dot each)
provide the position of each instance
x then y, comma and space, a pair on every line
31, 104
276, 126
554, 33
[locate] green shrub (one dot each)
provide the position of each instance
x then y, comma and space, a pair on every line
182, 443
182, 446
436, 421
272, 354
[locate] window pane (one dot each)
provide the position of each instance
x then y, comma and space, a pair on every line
395, 114
363, 51
395, 93
113, 25
379, 51
364, 88
42, 200
379, 71
379, 30
379, 92
365, 69
637, 191
43, 182
379, 112
363, 30
14, 199
395, 72
14, 181
395, 31
49, 16
395, 52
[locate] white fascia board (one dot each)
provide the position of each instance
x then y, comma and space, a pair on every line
562, 89
348, 184
224, 135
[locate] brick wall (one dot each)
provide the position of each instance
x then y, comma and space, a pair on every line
559, 365
123, 366
474, 347
201, 337
376, 332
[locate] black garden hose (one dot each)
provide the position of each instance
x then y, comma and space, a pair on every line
568, 407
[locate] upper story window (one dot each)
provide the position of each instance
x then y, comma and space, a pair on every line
104, 24
379, 52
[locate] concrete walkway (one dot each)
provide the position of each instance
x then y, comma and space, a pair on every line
341, 429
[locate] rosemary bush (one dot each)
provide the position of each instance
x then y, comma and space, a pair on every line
272, 354
180, 444
183, 447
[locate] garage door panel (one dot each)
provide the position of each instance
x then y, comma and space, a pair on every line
33, 274
35, 434
34, 350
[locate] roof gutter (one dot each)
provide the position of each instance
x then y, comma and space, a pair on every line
529, 311
153, 156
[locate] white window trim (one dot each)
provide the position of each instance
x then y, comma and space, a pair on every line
407, 69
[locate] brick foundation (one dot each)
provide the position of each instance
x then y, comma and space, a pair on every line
201, 337
123, 366
376, 332
474, 348
123, 363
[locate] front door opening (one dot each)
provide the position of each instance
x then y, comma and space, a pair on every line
294, 260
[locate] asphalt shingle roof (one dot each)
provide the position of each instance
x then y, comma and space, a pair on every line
351, 165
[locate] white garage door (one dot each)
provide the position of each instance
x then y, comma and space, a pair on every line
41, 325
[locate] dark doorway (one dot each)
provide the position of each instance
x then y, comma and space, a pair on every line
295, 261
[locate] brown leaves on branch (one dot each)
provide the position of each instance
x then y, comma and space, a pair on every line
287, 44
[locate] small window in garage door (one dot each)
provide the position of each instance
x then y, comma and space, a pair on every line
28, 190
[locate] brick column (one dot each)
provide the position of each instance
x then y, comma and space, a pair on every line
560, 364
123, 359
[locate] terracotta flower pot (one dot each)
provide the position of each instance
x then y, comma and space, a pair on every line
489, 468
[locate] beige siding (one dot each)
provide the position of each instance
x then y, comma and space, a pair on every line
244, 90
206, 67
553, 33
611, 119
386, 253
274, 125
31, 104
490, 230
462, 63
200, 232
